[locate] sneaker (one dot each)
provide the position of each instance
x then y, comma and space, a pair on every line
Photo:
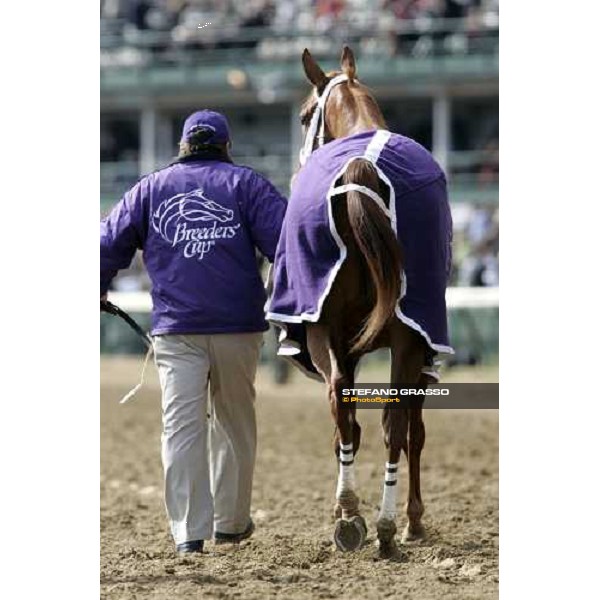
191, 546
234, 538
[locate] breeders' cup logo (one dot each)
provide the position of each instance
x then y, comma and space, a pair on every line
176, 220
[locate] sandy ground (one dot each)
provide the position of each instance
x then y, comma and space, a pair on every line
291, 554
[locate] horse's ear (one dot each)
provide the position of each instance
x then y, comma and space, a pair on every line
313, 71
348, 63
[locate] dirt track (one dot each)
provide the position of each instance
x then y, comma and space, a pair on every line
291, 554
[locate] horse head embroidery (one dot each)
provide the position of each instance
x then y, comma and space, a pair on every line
192, 207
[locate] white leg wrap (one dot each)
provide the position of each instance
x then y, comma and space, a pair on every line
390, 492
346, 480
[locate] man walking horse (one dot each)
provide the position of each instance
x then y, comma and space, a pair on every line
362, 263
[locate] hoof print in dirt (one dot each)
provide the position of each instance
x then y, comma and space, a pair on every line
389, 551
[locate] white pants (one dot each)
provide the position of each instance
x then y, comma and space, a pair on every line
206, 456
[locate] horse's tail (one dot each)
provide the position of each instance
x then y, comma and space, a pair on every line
378, 244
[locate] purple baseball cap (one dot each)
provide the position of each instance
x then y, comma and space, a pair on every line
208, 119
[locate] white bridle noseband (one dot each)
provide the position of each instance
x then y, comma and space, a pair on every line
317, 121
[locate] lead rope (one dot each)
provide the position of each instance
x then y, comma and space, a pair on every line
113, 309
137, 388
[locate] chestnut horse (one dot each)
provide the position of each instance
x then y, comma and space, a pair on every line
358, 314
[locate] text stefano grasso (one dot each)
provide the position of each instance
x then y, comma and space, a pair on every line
385, 392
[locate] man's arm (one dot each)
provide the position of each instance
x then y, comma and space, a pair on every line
264, 211
122, 232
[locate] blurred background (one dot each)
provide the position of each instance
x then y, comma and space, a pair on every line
432, 64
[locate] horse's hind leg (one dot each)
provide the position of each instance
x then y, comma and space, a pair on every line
344, 414
416, 441
408, 356
395, 429
351, 529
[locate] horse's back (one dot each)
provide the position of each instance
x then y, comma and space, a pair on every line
317, 268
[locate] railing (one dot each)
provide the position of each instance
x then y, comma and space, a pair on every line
457, 298
473, 321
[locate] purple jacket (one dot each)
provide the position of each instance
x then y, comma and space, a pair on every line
198, 223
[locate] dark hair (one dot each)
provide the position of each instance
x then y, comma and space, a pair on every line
195, 145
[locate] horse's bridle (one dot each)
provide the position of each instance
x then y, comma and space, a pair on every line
318, 122
316, 129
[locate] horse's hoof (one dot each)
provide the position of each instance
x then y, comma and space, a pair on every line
388, 549
413, 534
350, 534
386, 530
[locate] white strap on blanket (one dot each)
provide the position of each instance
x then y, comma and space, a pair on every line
433, 370
318, 119
137, 388
354, 187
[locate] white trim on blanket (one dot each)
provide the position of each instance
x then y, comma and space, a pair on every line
354, 187
289, 358
289, 348
314, 317
372, 153
376, 145
414, 325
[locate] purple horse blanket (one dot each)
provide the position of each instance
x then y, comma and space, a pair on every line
310, 251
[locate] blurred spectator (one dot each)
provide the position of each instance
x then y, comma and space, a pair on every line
137, 31
136, 13
490, 165
327, 14
161, 27
478, 261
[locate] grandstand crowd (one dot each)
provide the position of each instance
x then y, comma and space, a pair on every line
141, 32
393, 26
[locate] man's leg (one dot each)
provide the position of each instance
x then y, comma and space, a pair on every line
233, 362
183, 366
